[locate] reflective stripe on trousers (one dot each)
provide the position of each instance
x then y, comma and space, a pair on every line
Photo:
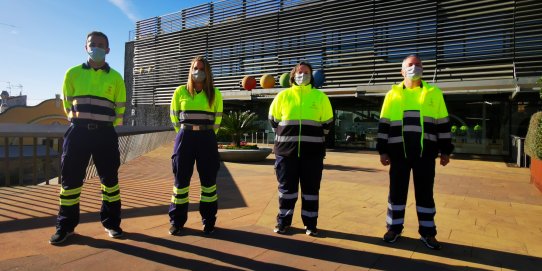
292, 172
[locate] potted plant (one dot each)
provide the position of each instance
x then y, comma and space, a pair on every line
533, 145
235, 124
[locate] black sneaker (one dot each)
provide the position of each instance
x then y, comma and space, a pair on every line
208, 229
59, 237
115, 232
174, 229
391, 236
430, 242
311, 231
281, 229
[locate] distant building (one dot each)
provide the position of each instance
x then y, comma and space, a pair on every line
47, 112
11, 101
484, 56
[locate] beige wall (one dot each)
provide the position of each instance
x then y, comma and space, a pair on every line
46, 113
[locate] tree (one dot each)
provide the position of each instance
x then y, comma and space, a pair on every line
237, 123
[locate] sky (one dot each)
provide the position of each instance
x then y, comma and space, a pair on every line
41, 39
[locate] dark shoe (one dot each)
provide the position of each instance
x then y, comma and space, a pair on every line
311, 231
174, 229
59, 237
281, 229
208, 229
391, 237
115, 232
430, 242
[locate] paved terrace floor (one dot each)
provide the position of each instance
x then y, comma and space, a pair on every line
489, 217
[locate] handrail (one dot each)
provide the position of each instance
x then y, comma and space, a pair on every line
20, 153
36, 130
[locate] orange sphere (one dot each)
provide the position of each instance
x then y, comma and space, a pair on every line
267, 81
248, 83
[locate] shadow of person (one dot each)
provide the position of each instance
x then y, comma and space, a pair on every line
133, 249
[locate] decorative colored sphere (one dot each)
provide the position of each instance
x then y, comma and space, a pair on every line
285, 80
319, 78
267, 81
248, 83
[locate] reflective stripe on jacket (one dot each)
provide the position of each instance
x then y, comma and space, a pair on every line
431, 122
194, 113
94, 95
300, 117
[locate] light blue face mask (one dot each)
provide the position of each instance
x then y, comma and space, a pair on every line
96, 54
302, 79
414, 72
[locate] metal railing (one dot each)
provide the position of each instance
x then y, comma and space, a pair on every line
31, 154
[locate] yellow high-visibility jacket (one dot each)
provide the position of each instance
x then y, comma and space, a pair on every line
300, 117
97, 96
429, 120
194, 113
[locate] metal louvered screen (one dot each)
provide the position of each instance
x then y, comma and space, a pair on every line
354, 42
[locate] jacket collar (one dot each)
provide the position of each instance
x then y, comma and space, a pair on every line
424, 86
105, 67
302, 88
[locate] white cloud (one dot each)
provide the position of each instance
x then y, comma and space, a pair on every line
126, 7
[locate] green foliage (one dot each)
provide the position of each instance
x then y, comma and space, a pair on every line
246, 147
533, 141
235, 124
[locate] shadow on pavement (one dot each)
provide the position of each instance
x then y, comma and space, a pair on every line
348, 168
471, 254
155, 197
308, 249
177, 261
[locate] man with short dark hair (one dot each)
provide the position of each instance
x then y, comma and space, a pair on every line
413, 130
94, 101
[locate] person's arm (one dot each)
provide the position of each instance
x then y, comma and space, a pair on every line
383, 131
327, 115
67, 91
274, 113
120, 102
218, 109
444, 135
174, 109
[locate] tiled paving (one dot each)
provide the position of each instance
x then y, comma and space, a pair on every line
489, 217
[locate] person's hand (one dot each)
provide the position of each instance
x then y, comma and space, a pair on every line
385, 159
444, 159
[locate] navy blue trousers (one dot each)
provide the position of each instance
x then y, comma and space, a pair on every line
79, 145
191, 147
291, 173
423, 171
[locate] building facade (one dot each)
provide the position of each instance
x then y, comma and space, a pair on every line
486, 57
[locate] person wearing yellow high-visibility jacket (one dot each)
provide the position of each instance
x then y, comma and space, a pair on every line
196, 113
301, 116
414, 128
94, 101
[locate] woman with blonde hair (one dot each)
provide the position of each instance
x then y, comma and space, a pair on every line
196, 113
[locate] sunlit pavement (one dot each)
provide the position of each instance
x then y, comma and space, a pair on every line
489, 217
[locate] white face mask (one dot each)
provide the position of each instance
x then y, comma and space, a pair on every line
302, 79
413, 72
198, 76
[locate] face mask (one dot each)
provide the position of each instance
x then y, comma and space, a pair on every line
302, 79
198, 76
96, 54
413, 72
